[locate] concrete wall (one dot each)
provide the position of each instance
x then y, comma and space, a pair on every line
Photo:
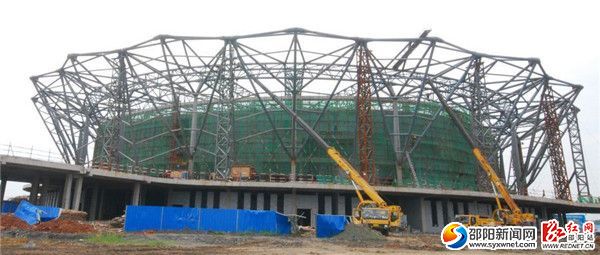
178, 198
423, 215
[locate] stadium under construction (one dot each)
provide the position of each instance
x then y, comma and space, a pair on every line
202, 122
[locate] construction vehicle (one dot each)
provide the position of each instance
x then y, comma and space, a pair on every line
373, 212
501, 216
476, 220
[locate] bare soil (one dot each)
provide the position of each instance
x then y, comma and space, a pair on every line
64, 237
35, 242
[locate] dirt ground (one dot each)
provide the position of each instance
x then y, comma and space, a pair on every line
35, 242
80, 237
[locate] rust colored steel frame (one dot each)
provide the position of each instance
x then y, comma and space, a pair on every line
553, 139
364, 116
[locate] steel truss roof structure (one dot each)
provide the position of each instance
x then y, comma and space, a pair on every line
502, 94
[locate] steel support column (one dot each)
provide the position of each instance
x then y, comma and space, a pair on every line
579, 170
34, 191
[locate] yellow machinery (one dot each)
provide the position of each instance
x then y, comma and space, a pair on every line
476, 220
502, 216
375, 213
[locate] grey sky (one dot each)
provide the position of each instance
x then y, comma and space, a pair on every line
37, 36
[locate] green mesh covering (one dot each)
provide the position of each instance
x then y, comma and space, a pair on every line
442, 159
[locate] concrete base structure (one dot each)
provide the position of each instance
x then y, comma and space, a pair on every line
105, 194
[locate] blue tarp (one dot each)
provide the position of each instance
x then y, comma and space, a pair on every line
141, 218
49, 213
28, 213
330, 225
9, 206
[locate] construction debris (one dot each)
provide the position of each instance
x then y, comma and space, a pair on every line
118, 222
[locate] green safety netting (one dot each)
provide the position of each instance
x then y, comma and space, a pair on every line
442, 159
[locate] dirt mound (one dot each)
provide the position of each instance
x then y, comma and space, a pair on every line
73, 215
64, 226
9, 221
358, 233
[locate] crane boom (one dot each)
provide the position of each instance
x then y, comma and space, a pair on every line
331, 151
355, 176
479, 155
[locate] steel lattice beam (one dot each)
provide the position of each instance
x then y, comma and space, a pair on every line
92, 97
579, 170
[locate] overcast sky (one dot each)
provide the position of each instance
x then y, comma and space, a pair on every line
37, 36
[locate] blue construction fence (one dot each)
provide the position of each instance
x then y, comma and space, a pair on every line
160, 218
330, 225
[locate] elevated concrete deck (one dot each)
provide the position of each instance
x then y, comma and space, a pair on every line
25, 170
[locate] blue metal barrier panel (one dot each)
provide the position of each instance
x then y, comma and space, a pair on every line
180, 218
140, 218
256, 221
218, 220
284, 227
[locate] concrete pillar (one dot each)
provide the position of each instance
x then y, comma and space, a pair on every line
77, 195
544, 213
135, 197
101, 206
396, 140
293, 170
44, 192
294, 202
2, 190
416, 213
34, 190
94, 202
66, 201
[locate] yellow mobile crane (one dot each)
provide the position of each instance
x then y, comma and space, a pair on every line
373, 212
500, 216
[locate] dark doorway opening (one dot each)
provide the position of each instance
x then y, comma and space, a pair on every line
155, 196
305, 220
